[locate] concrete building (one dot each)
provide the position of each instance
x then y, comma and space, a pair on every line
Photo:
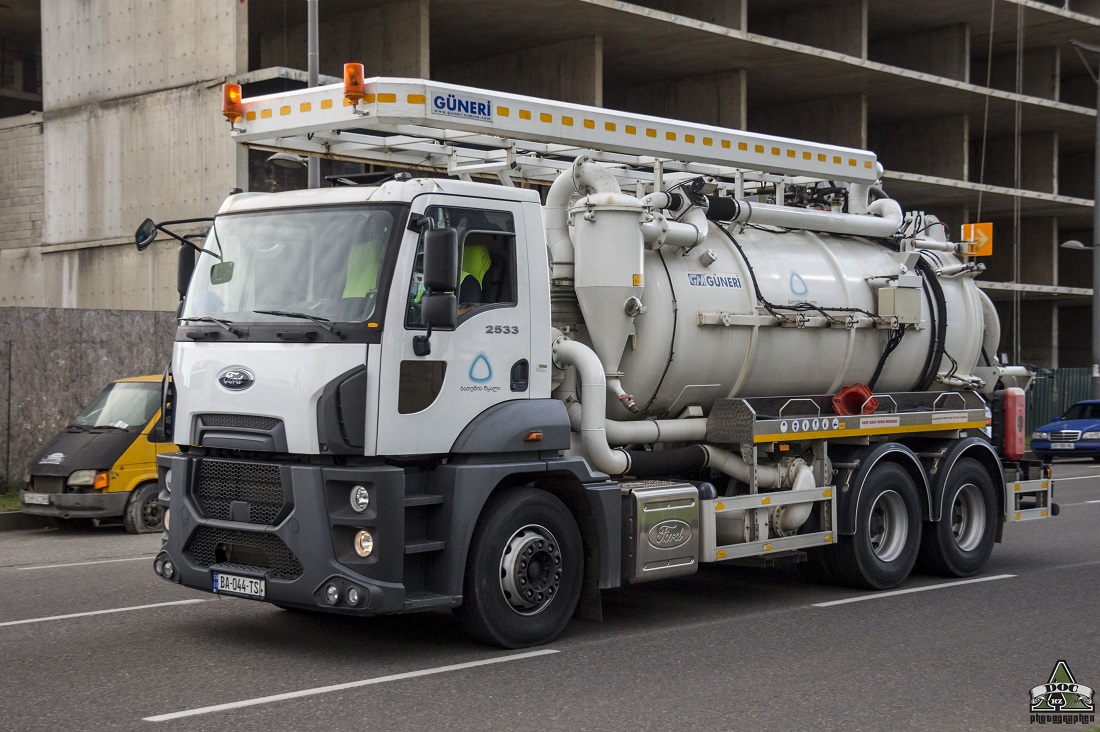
979, 110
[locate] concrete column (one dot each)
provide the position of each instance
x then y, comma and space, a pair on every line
714, 99
726, 13
927, 146
839, 120
1042, 72
941, 51
389, 40
1038, 162
571, 71
839, 26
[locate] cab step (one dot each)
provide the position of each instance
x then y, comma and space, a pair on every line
424, 545
425, 600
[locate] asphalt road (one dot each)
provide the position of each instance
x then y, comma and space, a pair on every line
728, 648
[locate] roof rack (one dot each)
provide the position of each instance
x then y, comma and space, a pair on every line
466, 131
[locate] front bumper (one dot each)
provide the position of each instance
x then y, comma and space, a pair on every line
77, 505
290, 525
1045, 449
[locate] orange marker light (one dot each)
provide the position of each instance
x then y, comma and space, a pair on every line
354, 87
535, 436
231, 102
100, 482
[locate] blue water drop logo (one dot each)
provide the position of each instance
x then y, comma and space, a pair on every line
798, 285
480, 370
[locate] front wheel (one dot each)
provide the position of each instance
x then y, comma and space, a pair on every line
883, 550
959, 544
524, 571
144, 514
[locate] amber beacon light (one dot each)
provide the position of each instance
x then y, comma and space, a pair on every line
354, 87
231, 103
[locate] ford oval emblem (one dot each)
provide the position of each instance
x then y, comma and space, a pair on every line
669, 534
236, 379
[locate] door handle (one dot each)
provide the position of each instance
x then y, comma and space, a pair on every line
520, 375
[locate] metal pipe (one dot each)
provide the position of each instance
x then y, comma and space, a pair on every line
313, 163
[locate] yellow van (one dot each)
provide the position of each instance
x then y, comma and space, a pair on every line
104, 464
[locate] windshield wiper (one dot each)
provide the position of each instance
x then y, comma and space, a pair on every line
322, 322
79, 427
108, 427
221, 323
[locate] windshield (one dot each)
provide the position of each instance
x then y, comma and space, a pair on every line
318, 263
122, 405
1083, 411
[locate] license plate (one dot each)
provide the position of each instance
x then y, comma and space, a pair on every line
232, 584
1061, 446
36, 499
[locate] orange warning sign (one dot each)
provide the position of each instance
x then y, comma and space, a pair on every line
978, 239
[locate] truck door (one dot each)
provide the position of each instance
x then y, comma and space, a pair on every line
426, 401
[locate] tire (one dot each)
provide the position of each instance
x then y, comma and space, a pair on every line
524, 571
144, 514
959, 544
883, 550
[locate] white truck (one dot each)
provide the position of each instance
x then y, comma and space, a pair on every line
701, 345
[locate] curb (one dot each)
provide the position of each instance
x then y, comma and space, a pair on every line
17, 521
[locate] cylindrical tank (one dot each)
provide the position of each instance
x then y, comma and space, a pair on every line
686, 353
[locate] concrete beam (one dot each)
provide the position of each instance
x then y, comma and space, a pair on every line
726, 13
570, 71
941, 51
926, 146
839, 25
389, 40
714, 99
1038, 162
839, 120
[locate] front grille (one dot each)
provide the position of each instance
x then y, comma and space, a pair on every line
221, 482
239, 421
51, 484
1065, 436
264, 552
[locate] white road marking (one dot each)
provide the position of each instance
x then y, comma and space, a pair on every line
81, 564
1080, 503
892, 593
348, 685
98, 612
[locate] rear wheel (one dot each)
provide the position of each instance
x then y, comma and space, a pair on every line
523, 572
144, 514
884, 548
959, 544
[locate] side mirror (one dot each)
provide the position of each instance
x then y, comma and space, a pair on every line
441, 260
184, 269
145, 234
156, 432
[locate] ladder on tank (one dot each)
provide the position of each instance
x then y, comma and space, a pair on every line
464, 132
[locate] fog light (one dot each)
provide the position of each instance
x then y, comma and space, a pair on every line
169, 569
360, 498
158, 567
364, 543
332, 594
353, 596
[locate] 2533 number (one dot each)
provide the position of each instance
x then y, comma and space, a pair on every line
502, 329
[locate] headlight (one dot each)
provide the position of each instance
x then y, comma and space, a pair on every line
82, 477
168, 480
1091, 436
1040, 435
360, 498
364, 543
